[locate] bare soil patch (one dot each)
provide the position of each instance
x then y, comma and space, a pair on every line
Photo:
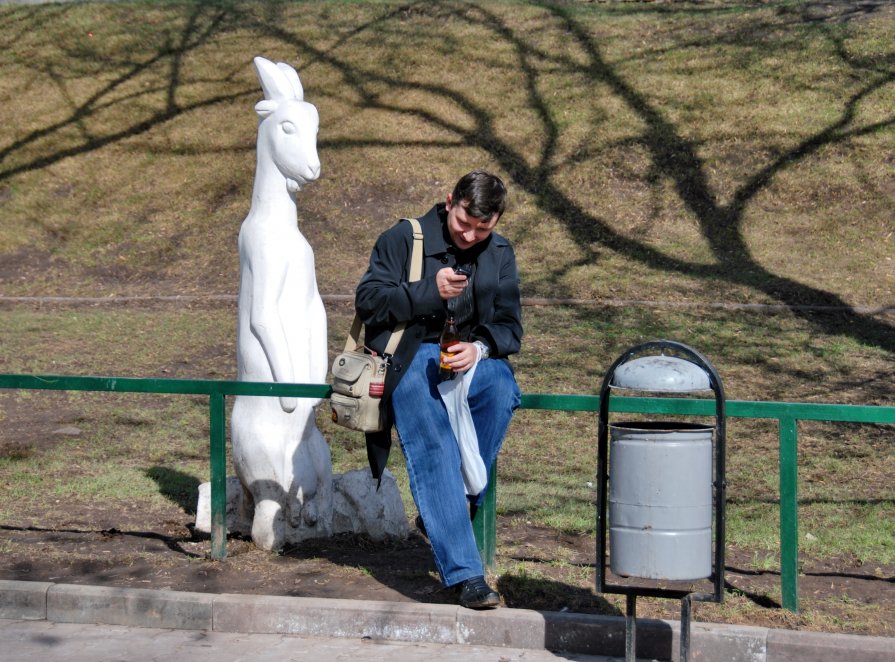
80, 543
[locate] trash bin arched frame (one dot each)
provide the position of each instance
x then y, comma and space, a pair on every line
719, 487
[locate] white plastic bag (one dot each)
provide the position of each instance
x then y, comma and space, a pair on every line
454, 392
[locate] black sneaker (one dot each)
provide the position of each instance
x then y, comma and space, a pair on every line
476, 594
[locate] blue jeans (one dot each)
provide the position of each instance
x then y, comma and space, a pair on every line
433, 457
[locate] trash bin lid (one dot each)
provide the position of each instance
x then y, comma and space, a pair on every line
667, 374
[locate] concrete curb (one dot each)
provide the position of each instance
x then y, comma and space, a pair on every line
430, 623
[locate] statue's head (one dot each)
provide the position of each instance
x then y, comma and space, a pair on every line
288, 126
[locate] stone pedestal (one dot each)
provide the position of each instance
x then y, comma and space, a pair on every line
358, 507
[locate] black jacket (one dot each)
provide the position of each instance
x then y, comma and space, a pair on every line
384, 298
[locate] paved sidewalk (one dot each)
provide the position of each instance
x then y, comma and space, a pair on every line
47, 621
43, 641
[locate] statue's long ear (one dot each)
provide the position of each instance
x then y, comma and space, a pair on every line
276, 84
266, 107
298, 91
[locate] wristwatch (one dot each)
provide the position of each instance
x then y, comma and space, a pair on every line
486, 351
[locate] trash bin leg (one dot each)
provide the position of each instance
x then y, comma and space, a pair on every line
631, 628
686, 612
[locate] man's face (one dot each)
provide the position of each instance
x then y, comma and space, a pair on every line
466, 230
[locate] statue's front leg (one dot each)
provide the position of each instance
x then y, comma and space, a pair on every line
311, 505
268, 524
320, 508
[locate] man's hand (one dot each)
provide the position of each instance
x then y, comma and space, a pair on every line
450, 284
466, 354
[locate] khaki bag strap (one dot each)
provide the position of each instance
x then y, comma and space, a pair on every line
352, 343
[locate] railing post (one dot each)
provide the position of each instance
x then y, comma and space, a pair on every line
789, 516
484, 524
217, 427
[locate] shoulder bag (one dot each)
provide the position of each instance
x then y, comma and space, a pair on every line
359, 377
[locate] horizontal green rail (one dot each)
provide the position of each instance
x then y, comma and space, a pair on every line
700, 407
168, 386
788, 414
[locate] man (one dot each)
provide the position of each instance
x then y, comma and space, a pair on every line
486, 307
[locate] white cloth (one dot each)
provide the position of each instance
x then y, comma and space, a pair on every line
455, 392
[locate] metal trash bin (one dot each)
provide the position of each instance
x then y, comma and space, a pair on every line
660, 500
663, 485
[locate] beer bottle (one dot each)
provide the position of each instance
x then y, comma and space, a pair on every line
450, 336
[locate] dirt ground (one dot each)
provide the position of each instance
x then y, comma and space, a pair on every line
83, 544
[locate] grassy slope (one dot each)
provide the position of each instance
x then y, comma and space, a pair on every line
712, 152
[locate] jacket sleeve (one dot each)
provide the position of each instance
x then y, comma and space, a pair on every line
503, 331
384, 297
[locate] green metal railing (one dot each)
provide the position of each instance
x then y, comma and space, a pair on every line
216, 392
786, 413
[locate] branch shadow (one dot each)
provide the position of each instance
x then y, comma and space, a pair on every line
813, 573
756, 598
673, 157
202, 24
812, 501
170, 542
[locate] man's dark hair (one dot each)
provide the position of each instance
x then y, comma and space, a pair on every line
481, 193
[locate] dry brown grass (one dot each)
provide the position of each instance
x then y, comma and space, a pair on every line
711, 151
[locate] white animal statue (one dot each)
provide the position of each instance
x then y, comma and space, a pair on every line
282, 460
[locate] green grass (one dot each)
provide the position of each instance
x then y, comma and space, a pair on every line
130, 449
754, 525
862, 531
548, 464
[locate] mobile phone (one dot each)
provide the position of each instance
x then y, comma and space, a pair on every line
463, 270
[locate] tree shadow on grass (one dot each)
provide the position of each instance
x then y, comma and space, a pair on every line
673, 158
201, 25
